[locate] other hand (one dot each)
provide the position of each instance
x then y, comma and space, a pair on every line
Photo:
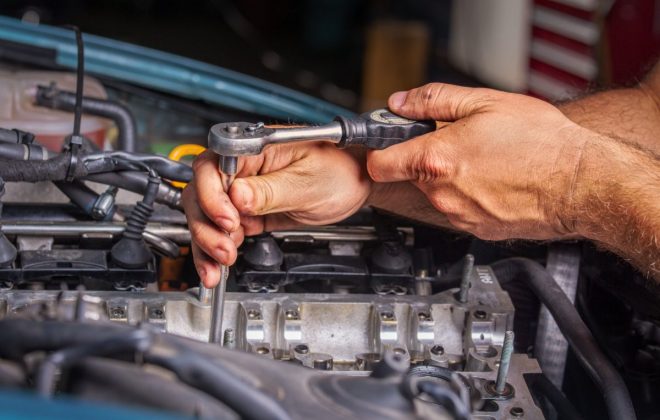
286, 186
503, 166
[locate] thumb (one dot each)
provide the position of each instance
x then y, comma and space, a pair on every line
440, 102
275, 192
426, 157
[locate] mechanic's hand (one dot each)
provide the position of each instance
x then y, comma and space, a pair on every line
284, 187
505, 168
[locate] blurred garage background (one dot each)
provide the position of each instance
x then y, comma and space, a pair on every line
355, 52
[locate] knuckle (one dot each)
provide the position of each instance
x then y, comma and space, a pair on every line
428, 167
430, 93
197, 231
374, 171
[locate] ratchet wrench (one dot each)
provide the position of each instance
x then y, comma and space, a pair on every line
377, 129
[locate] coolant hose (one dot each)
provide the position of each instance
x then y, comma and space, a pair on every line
592, 359
54, 98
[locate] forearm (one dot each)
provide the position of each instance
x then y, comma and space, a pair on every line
616, 201
632, 114
405, 200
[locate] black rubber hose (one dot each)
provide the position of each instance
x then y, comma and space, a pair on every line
82, 196
134, 341
592, 359
15, 136
51, 97
445, 397
54, 169
565, 409
214, 379
21, 336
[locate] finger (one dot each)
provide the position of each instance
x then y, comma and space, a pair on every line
255, 225
252, 225
441, 102
426, 158
210, 238
207, 269
210, 193
274, 192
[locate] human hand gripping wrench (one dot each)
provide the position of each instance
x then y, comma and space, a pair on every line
377, 129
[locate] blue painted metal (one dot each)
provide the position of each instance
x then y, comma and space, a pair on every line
24, 405
173, 74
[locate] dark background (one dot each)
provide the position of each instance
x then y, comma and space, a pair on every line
315, 46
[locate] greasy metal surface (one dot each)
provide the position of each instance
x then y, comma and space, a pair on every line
343, 326
343, 333
181, 235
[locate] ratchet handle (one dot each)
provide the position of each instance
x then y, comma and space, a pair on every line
380, 129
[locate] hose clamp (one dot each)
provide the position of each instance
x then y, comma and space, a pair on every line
75, 143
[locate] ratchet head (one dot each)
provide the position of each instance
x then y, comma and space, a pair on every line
239, 138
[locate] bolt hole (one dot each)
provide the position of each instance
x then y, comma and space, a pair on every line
480, 314
490, 406
517, 411
438, 350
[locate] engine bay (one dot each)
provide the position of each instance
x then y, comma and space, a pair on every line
374, 317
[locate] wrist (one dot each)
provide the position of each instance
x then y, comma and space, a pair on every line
568, 178
379, 195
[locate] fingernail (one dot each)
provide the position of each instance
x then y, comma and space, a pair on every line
398, 99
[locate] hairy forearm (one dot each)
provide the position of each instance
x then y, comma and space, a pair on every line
632, 114
616, 201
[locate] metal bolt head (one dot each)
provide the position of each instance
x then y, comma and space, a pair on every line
387, 315
301, 348
253, 314
232, 129
117, 312
399, 350
262, 350
423, 316
157, 313
291, 314
438, 350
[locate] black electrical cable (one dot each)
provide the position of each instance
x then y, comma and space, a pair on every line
137, 182
167, 168
54, 169
51, 97
80, 74
565, 409
76, 140
23, 158
577, 334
